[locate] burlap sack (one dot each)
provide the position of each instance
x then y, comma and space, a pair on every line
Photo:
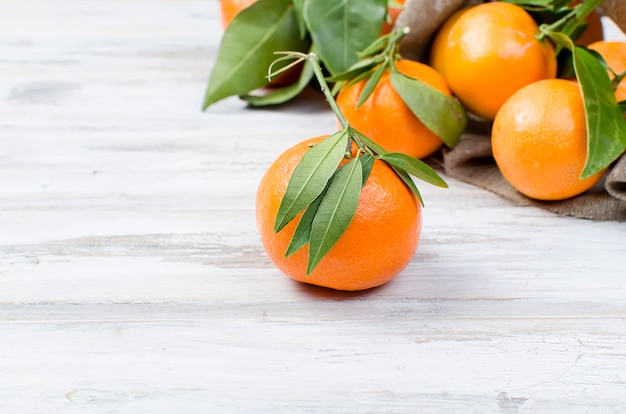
471, 160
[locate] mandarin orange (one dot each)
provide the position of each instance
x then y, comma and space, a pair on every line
492, 52
539, 140
379, 242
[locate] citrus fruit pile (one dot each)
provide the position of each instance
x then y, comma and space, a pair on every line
342, 211
501, 68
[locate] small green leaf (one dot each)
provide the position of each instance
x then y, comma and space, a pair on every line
248, 47
414, 167
335, 212
302, 233
298, 7
358, 78
367, 162
355, 70
368, 141
281, 95
341, 28
440, 113
371, 83
606, 127
375, 47
310, 177
409, 182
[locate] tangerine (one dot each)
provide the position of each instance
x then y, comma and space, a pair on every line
539, 140
492, 52
614, 54
386, 119
379, 242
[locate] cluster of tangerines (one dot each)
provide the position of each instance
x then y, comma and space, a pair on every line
491, 58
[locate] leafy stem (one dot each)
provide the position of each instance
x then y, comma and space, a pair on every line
572, 22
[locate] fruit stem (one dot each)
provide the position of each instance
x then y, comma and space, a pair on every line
314, 61
572, 20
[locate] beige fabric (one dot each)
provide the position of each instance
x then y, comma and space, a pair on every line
471, 160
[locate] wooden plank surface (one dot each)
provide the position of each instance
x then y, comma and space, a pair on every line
132, 278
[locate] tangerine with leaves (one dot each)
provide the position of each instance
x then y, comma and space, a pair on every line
492, 52
379, 242
614, 54
385, 117
539, 140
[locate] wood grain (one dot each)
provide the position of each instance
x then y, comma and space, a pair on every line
132, 278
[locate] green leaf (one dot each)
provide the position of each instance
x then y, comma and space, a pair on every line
341, 28
441, 114
310, 177
375, 47
248, 47
367, 162
404, 176
281, 95
368, 141
414, 167
606, 127
355, 70
335, 212
371, 83
298, 7
302, 233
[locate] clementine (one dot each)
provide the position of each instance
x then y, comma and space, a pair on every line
492, 52
379, 242
539, 140
386, 119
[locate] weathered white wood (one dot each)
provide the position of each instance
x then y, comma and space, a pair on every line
132, 278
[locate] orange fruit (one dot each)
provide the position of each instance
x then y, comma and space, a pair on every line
614, 53
437, 54
539, 140
379, 242
386, 119
491, 53
393, 13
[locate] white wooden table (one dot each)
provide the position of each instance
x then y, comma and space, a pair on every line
132, 278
